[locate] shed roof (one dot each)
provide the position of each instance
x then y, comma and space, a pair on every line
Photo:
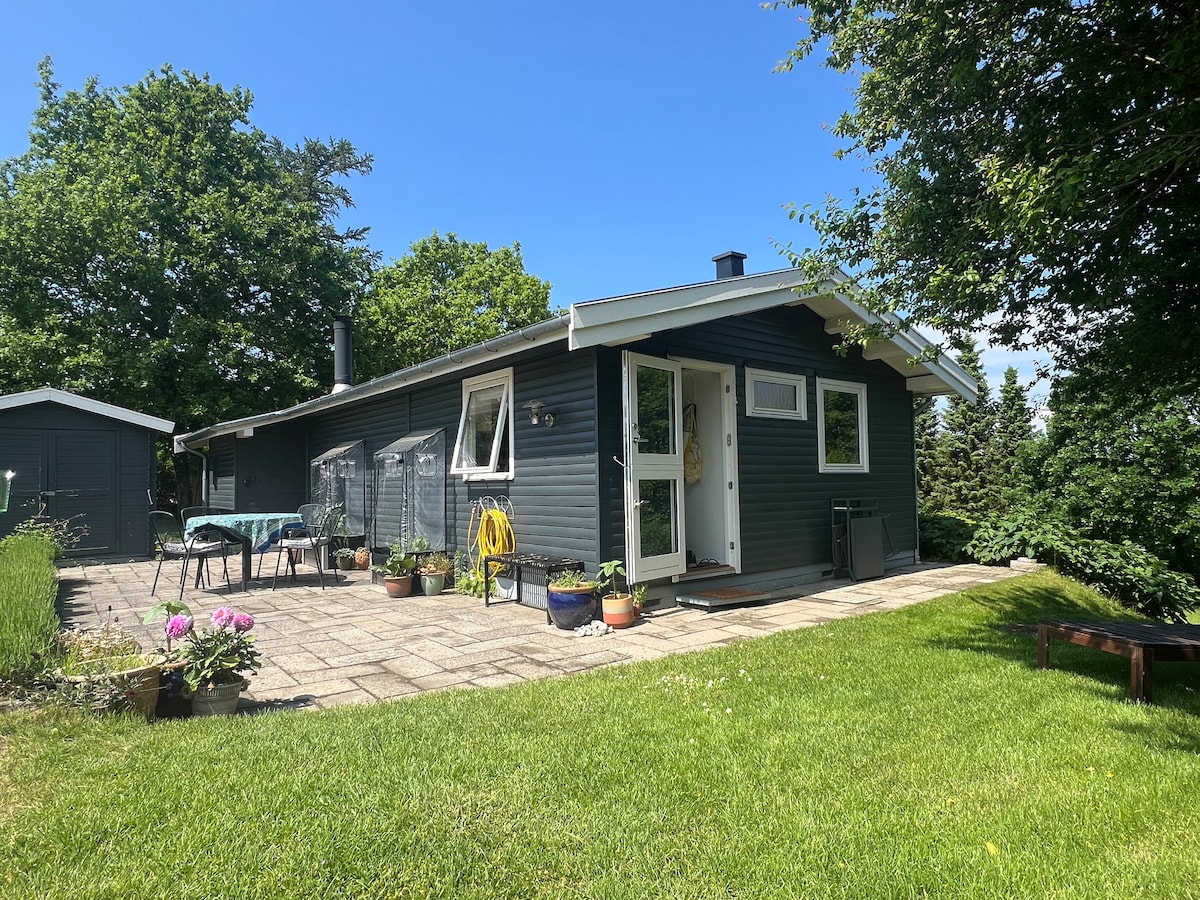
97, 407
620, 320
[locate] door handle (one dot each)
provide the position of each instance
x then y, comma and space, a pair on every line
47, 493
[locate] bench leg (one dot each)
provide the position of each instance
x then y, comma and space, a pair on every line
1043, 647
1141, 675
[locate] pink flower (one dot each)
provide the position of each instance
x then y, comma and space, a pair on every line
178, 626
222, 617
243, 622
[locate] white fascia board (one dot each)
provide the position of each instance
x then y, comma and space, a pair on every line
97, 407
618, 320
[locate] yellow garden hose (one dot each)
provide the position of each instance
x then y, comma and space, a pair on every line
494, 534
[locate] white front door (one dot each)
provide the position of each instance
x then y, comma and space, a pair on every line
653, 421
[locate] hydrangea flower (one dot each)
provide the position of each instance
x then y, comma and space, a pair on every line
242, 621
178, 626
222, 617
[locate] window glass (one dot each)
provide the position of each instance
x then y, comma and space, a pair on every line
842, 426
776, 395
483, 445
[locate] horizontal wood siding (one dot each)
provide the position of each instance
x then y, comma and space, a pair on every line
272, 469
223, 473
785, 501
118, 495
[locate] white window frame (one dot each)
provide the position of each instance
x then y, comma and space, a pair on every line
799, 382
844, 387
495, 467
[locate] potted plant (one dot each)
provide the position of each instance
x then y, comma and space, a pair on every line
639, 599
433, 571
107, 671
618, 605
344, 558
362, 558
397, 571
174, 698
571, 599
216, 659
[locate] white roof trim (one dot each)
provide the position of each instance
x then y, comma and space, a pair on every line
98, 407
621, 320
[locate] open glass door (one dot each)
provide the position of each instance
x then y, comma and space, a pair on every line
653, 421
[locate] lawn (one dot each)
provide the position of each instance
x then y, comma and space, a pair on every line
902, 754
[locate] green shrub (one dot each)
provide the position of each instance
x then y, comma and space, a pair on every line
945, 536
28, 620
1126, 572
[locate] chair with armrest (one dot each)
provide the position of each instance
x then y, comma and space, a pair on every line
314, 537
173, 545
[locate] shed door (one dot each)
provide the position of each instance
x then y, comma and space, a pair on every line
24, 452
63, 474
653, 468
83, 482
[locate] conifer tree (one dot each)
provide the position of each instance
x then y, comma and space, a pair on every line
965, 482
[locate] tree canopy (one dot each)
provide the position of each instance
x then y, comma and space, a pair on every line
444, 294
160, 252
1040, 172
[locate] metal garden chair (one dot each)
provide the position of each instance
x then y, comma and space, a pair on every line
173, 545
313, 538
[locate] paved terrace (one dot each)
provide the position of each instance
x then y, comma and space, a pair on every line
351, 643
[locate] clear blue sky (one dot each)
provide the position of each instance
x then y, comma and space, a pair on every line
623, 143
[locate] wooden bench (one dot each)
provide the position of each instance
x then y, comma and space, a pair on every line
1142, 642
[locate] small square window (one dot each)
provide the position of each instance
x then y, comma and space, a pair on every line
484, 443
776, 395
841, 426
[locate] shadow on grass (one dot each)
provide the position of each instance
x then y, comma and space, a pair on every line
1006, 627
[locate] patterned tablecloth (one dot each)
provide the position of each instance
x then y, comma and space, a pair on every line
261, 529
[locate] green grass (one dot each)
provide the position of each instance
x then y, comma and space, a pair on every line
28, 587
904, 754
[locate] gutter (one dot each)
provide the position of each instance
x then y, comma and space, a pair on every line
523, 338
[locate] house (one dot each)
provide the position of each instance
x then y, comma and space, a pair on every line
84, 460
582, 423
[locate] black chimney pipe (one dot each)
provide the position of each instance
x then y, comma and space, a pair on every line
343, 354
729, 264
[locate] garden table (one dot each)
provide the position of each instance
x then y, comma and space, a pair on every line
1142, 642
256, 531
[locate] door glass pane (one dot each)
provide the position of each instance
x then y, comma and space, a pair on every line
656, 517
655, 403
841, 427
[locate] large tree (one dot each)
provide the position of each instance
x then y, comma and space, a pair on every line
1039, 172
445, 294
159, 252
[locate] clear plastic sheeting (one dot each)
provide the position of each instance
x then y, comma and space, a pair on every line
410, 492
339, 476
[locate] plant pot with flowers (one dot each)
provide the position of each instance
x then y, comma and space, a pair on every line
397, 571
571, 599
216, 659
343, 558
617, 605
433, 571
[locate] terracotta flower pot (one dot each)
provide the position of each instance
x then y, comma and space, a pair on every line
398, 585
618, 610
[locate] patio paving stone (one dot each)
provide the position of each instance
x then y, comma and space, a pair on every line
351, 643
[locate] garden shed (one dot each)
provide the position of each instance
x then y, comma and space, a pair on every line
707, 434
84, 460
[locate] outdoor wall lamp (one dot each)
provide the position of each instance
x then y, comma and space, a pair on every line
538, 415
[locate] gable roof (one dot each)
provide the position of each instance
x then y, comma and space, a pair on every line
632, 317
98, 407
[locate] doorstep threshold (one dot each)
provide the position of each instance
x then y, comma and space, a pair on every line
699, 573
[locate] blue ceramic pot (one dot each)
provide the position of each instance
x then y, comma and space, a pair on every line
571, 607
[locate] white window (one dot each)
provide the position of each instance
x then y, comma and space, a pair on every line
484, 443
841, 426
776, 395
